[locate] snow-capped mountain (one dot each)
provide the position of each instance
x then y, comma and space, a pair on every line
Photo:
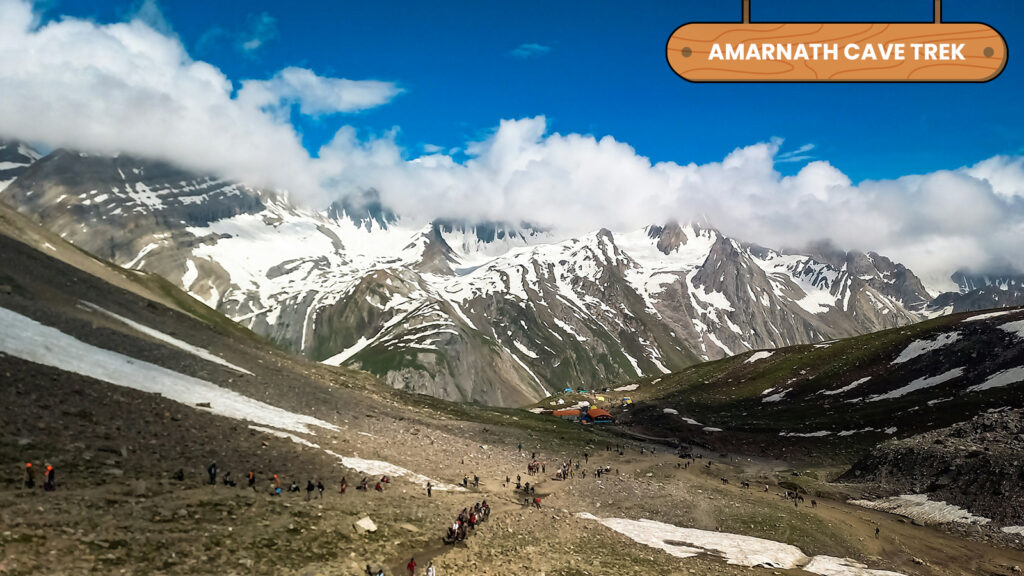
497, 312
15, 157
980, 291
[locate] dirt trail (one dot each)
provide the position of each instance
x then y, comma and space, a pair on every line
500, 503
898, 545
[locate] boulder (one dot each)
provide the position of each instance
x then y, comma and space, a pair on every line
364, 525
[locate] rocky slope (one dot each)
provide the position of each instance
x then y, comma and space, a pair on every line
499, 313
977, 465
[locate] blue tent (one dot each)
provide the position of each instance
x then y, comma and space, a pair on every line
567, 390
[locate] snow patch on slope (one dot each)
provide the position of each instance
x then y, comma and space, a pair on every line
735, 549
758, 356
919, 507
27, 339
157, 335
919, 347
1016, 328
919, 384
1000, 379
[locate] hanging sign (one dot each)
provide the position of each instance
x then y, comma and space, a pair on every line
836, 52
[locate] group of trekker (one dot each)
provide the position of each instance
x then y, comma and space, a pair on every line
49, 477
467, 520
275, 483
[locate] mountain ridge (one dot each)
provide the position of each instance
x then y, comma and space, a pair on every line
494, 312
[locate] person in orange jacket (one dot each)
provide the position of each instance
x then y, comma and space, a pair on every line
30, 476
277, 486
50, 483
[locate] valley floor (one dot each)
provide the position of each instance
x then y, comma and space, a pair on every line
118, 511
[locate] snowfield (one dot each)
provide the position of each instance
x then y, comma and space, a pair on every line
919, 347
735, 549
758, 356
832, 566
846, 388
1000, 379
920, 384
157, 335
27, 339
987, 316
1014, 328
818, 434
919, 507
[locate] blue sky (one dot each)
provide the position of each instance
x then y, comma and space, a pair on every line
598, 68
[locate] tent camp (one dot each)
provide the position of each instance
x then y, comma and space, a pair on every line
599, 416
571, 415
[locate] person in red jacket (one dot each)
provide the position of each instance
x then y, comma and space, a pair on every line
411, 566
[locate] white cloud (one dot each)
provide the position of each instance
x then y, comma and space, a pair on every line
150, 13
261, 28
798, 155
934, 223
127, 88
529, 50
314, 94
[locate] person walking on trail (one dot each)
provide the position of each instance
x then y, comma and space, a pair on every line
476, 481
49, 483
252, 480
431, 571
212, 471
429, 487
520, 446
877, 530
320, 488
344, 485
30, 476
309, 489
378, 487
411, 566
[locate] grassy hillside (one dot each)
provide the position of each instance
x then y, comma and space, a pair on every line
836, 398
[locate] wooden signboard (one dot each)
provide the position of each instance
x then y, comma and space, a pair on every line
836, 52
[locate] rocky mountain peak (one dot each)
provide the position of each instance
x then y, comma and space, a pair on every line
670, 236
437, 256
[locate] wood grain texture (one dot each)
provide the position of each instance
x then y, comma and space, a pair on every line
984, 52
